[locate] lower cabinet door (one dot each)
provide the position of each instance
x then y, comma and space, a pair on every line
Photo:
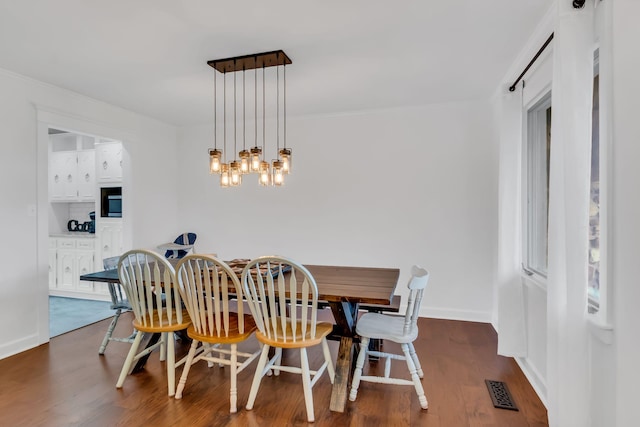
67, 270
85, 266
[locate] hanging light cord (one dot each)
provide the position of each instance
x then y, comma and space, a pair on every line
215, 110
224, 113
263, 116
255, 103
277, 112
284, 102
235, 128
244, 112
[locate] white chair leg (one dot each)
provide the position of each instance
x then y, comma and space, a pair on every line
364, 344
171, 364
257, 377
185, 370
306, 384
327, 358
129, 360
164, 338
107, 336
414, 376
416, 362
233, 396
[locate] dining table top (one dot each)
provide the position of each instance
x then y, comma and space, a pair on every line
365, 285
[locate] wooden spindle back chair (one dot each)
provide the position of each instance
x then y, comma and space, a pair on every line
207, 286
149, 282
283, 298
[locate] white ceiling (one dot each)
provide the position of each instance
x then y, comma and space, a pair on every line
150, 56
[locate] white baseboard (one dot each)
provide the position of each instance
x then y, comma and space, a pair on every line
536, 380
18, 346
453, 314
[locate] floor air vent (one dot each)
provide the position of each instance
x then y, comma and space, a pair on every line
500, 395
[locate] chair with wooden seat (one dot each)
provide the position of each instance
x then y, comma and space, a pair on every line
207, 284
399, 329
119, 303
149, 282
270, 284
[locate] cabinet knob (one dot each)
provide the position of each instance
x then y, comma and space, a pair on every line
69, 178
105, 248
105, 165
87, 177
56, 178
67, 269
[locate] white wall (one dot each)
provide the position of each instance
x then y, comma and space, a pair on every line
433, 202
150, 178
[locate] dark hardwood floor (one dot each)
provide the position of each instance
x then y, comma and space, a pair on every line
66, 383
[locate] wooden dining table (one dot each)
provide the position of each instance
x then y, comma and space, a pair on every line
343, 288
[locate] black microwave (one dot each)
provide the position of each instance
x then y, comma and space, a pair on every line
111, 200
114, 206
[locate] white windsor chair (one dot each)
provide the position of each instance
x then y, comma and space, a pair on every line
400, 329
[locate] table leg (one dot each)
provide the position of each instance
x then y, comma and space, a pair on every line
154, 338
374, 345
341, 381
346, 316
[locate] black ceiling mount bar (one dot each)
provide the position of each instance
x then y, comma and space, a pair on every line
513, 86
249, 62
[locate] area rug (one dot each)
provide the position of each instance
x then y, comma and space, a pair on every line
67, 314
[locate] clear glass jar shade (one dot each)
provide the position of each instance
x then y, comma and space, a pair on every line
285, 156
256, 152
214, 161
224, 175
278, 173
234, 173
244, 161
265, 174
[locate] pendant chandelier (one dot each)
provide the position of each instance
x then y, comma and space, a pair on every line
233, 166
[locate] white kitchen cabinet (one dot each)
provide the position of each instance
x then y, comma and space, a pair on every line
86, 182
73, 257
85, 256
67, 265
72, 176
63, 167
109, 231
109, 161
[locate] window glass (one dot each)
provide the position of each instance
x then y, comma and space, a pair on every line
537, 187
594, 204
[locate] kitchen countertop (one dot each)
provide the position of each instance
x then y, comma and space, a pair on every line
81, 234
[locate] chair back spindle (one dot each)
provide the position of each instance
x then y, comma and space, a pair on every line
417, 285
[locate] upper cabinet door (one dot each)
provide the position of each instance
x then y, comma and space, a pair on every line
109, 161
86, 175
72, 176
62, 176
